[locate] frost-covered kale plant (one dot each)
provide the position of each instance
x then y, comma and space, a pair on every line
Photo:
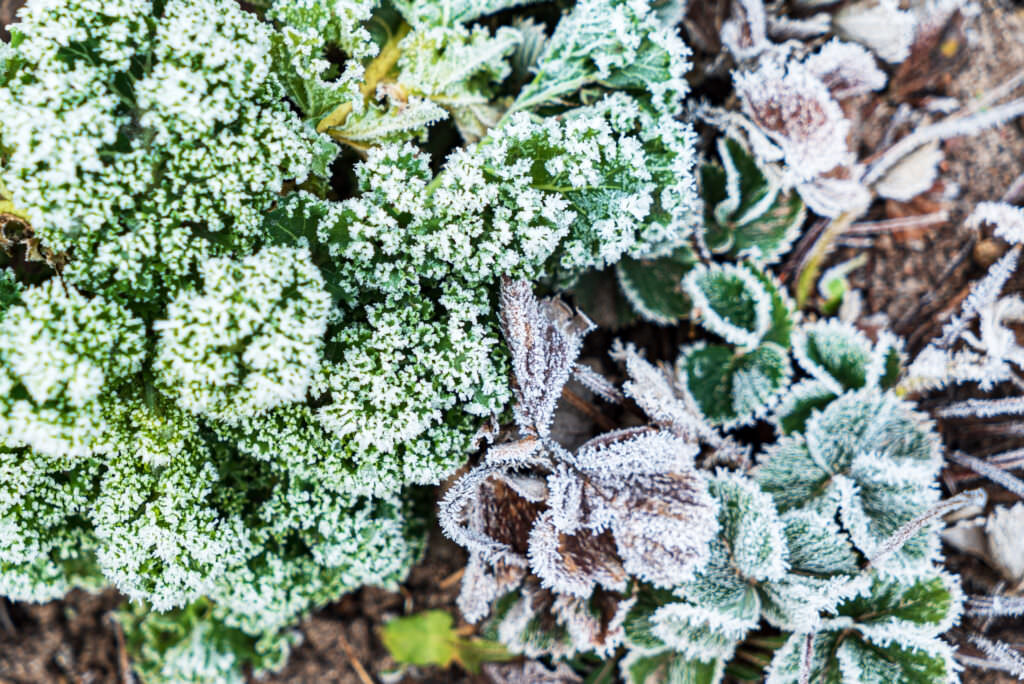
663, 546
243, 310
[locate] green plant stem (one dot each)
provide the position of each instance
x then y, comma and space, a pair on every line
809, 273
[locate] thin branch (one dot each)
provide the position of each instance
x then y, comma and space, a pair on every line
123, 663
894, 543
1008, 658
993, 473
807, 659
360, 671
949, 128
995, 606
896, 225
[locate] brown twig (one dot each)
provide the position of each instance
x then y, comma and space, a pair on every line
360, 671
452, 579
123, 663
586, 407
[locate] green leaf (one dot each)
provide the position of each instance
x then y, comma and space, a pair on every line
790, 474
887, 634
669, 667
835, 353
803, 399
428, 638
733, 388
423, 639
731, 301
654, 286
781, 327
746, 215
893, 663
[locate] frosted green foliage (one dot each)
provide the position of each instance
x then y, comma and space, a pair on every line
735, 386
731, 303
45, 541
386, 388
143, 140
447, 12
873, 460
746, 213
570, 194
249, 339
788, 570
306, 28
534, 623
654, 288
61, 354
161, 537
311, 547
722, 602
746, 216
842, 358
190, 646
10, 290
394, 84
888, 633
669, 667
615, 44
838, 358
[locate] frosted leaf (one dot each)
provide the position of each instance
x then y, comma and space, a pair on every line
517, 454
596, 383
589, 625
544, 339
846, 69
574, 563
794, 108
530, 672
835, 354
483, 583
734, 389
1005, 530
701, 632
731, 301
486, 516
802, 399
654, 391
912, 175
635, 451
661, 523
1007, 219
1004, 655
744, 33
886, 633
830, 197
880, 25
645, 667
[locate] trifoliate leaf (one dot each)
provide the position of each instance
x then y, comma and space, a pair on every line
654, 286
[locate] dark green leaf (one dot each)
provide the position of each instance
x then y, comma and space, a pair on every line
654, 286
